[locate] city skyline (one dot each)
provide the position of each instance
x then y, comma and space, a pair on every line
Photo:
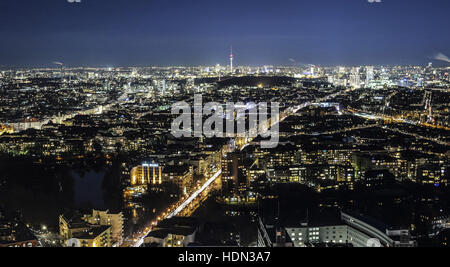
223, 125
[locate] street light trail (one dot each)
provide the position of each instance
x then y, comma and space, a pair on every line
184, 205
194, 195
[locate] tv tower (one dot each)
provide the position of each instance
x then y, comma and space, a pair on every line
231, 60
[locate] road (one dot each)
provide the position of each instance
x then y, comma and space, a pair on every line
185, 207
376, 116
195, 195
370, 116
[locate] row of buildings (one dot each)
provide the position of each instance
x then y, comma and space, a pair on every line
99, 229
152, 174
350, 230
333, 167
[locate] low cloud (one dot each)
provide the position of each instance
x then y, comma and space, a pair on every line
442, 57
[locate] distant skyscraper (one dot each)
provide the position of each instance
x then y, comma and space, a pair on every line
231, 60
355, 80
369, 74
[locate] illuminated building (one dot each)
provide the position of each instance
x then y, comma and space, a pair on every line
369, 75
285, 174
320, 177
96, 237
399, 167
174, 232
230, 171
6, 129
363, 162
146, 174
179, 175
70, 226
355, 80
87, 231
280, 156
432, 175
254, 173
346, 176
351, 229
153, 174
177, 237
104, 218
375, 178
242, 199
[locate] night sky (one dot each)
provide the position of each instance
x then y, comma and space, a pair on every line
195, 32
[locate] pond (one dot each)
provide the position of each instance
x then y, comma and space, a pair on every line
88, 190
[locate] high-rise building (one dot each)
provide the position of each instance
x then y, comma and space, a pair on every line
230, 171
355, 80
369, 75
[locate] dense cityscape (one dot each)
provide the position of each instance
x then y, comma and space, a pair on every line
88, 158
225, 131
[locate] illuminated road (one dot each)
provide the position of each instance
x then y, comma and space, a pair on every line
195, 195
369, 116
359, 127
139, 240
376, 116
421, 137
